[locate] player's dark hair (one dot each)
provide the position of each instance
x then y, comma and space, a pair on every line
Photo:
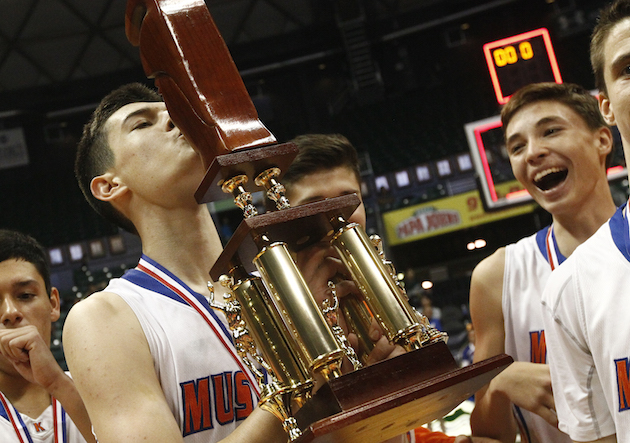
18, 246
609, 17
574, 96
320, 152
94, 156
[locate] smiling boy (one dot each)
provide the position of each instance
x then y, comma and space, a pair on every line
557, 143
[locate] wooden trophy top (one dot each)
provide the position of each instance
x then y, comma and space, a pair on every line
181, 48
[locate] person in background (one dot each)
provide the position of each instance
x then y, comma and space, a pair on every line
468, 353
433, 313
586, 302
38, 401
327, 166
557, 143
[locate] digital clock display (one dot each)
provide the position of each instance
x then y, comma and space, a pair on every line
520, 60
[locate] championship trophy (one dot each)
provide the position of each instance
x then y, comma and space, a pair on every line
290, 342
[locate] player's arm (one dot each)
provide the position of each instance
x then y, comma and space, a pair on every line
111, 364
260, 427
492, 416
66, 392
525, 384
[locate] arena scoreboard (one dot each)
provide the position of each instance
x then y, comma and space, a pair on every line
517, 61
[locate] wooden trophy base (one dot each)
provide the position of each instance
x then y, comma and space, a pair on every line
392, 397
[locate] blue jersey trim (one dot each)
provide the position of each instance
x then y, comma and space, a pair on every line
3, 412
619, 231
541, 241
526, 438
146, 281
63, 424
28, 434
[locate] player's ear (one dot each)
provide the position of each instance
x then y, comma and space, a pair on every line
605, 139
606, 108
55, 303
107, 187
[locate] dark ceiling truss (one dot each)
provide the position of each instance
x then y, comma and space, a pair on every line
95, 30
240, 30
240, 27
85, 33
391, 6
286, 13
14, 46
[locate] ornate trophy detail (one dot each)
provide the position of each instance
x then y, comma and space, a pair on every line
244, 342
275, 189
242, 198
383, 296
358, 320
330, 308
429, 334
311, 336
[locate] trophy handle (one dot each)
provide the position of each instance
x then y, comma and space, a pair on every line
266, 338
385, 299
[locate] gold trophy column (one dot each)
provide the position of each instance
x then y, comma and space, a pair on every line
312, 337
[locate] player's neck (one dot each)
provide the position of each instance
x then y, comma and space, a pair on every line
28, 398
574, 228
187, 244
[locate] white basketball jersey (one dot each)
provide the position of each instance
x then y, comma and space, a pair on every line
207, 386
528, 265
52, 426
587, 306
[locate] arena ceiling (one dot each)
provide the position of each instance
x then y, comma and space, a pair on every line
53, 42
49, 41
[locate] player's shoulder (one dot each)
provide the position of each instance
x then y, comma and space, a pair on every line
593, 255
491, 266
486, 282
602, 239
100, 306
